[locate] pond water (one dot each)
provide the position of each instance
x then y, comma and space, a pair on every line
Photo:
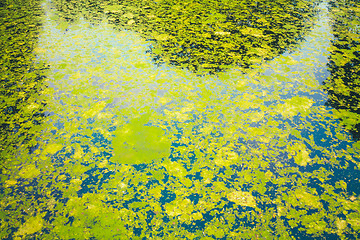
192, 120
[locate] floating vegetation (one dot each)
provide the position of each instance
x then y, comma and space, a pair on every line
104, 143
21, 79
205, 36
135, 143
343, 86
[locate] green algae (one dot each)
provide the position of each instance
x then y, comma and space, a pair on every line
21, 79
209, 36
136, 143
31, 226
130, 150
343, 85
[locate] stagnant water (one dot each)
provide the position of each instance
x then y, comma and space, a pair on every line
167, 120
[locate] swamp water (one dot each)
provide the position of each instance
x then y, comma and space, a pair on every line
192, 120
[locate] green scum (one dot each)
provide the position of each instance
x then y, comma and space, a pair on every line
129, 137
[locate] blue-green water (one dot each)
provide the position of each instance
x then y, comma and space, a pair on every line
111, 132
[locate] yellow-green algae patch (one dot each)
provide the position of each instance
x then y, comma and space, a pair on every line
231, 155
29, 171
31, 226
136, 143
300, 154
242, 198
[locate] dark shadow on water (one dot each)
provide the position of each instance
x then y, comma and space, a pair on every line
204, 36
343, 85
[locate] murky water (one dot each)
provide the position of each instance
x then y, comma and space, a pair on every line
204, 126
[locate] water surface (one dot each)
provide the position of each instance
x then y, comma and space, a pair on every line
117, 134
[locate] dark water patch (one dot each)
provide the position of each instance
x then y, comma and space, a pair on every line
344, 65
204, 36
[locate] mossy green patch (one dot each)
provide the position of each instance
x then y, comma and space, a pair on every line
31, 226
136, 143
29, 171
114, 145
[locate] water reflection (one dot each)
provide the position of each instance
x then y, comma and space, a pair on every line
343, 85
21, 114
21, 80
232, 155
207, 36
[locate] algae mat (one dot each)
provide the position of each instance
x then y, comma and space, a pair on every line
118, 123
